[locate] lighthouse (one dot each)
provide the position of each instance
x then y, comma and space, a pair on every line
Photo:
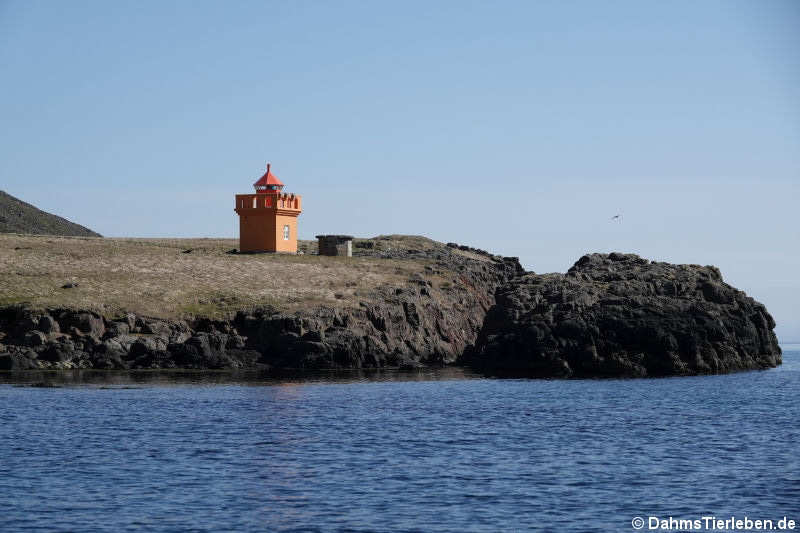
268, 218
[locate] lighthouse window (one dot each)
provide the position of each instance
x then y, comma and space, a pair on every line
286, 233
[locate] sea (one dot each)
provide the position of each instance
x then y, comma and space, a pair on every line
429, 451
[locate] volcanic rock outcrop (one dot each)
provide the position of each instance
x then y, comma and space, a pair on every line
610, 315
415, 323
621, 315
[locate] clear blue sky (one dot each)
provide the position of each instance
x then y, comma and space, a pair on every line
518, 127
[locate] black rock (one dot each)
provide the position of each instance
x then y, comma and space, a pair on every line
144, 345
57, 352
48, 324
202, 351
15, 361
83, 323
154, 359
116, 329
110, 348
34, 338
108, 361
621, 315
156, 327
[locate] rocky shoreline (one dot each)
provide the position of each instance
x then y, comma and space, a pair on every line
619, 315
413, 324
614, 315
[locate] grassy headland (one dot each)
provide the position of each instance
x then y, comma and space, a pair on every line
161, 278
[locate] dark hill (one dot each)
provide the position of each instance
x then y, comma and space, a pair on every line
17, 216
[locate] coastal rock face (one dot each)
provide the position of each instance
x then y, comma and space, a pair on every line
69, 339
429, 319
610, 315
418, 323
622, 315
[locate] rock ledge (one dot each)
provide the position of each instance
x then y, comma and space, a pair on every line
619, 315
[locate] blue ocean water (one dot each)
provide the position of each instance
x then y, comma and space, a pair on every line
434, 451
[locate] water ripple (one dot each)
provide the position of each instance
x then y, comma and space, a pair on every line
384, 452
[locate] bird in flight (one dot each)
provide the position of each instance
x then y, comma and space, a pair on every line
616, 217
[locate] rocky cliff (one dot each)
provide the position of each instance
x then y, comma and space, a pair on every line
622, 315
430, 318
434, 304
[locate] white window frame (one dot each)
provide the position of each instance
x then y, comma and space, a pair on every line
286, 231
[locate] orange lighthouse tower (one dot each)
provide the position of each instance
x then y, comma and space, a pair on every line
268, 218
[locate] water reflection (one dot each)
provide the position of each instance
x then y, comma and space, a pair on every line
135, 378
139, 378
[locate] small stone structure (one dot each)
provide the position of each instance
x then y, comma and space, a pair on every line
341, 245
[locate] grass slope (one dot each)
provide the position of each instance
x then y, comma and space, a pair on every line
17, 216
154, 277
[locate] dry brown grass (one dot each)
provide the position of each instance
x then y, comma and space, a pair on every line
154, 278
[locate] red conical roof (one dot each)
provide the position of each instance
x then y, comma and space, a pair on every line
268, 179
